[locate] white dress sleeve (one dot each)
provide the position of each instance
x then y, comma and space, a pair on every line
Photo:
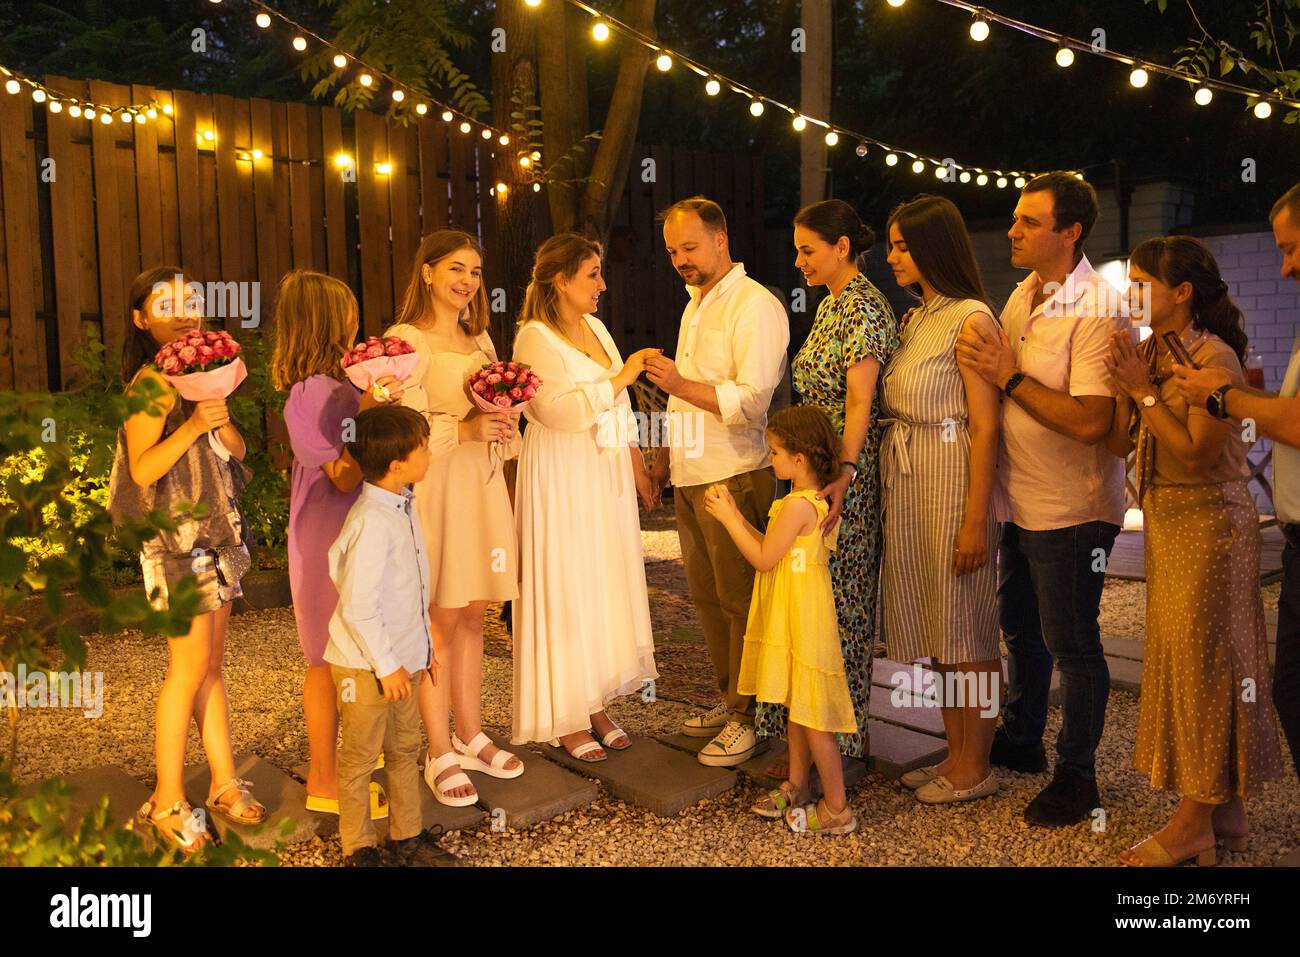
562, 403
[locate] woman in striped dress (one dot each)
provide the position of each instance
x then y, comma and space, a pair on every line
938, 462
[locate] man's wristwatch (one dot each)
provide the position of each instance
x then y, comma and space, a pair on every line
1216, 403
1015, 380
1148, 400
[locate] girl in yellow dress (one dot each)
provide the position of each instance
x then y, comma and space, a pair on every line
792, 651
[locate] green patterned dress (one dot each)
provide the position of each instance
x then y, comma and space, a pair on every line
857, 325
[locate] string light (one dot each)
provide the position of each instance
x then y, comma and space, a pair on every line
263, 20
600, 31
422, 108
340, 61
1068, 46
1203, 96
832, 138
1263, 109
300, 43
56, 106
891, 159
465, 127
342, 161
365, 79
979, 30
713, 87
447, 116
398, 96
918, 166
799, 123
756, 108
384, 169
861, 150
664, 62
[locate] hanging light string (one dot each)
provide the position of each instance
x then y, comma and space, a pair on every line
399, 91
78, 106
947, 169
1141, 69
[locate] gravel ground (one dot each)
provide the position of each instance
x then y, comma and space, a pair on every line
264, 669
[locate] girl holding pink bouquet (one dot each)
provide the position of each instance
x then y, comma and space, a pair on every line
463, 503
315, 327
191, 453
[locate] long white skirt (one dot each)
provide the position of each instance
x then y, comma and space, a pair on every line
582, 620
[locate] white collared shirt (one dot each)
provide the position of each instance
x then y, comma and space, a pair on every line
734, 339
380, 569
1047, 479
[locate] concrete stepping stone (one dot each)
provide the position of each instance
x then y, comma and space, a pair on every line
544, 791
431, 810
662, 779
896, 750
1291, 860
125, 794
282, 795
1125, 675
915, 715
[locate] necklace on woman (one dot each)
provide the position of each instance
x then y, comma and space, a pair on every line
581, 347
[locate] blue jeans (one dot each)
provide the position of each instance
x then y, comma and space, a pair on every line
1050, 594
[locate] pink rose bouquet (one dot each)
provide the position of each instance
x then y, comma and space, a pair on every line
375, 358
202, 365
503, 386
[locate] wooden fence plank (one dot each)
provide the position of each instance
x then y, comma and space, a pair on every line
280, 176
109, 217
247, 220
187, 180
148, 199
229, 170
315, 187
20, 355
402, 200
433, 183
372, 213
264, 208
463, 192
299, 186
336, 227
168, 201
70, 229
208, 216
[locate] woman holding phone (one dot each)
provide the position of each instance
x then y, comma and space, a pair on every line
1206, 726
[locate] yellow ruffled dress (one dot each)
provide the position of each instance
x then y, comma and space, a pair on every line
792, 653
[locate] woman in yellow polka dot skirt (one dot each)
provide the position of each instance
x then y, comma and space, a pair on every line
1206, 725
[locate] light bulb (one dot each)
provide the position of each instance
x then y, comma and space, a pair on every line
756, 108
105, 118
464, 127
1002, 182
1020, 182
56, 106
537, 187
167, 108
487, 134
713, 88
1064, 57
861, 149
12, 86
982, 179
533, 3
89, 114
340, 61
365, 79
504, 139
446, 116
664, 62
832, 138
891, 159
600, 31
300, 43
38, 95
939, 172
1139, 77
979, 31
1263, 109
342, 160
74, 110
421, 108
258, 154
151, 113
124, 116
502, 189
537, 156
1203, 96
398, 96
965, 176
918, 166
383, 169
897, 3
263, 20
799, 123
139, 117
525, 161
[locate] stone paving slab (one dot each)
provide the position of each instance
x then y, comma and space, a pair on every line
1125, 675
544, 791
281, 794
896, 750
916, 716
432, 812
662, 779
125, 794
1291, 860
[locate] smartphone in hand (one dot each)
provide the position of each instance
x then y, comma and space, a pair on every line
1177, 349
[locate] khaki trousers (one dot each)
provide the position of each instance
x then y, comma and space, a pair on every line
721, 581
371, 723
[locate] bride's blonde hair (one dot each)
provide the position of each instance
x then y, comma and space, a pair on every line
561, 255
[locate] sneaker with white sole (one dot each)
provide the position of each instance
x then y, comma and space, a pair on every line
941, 791
735, 744
706, 725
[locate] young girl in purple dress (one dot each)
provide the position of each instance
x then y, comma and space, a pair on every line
315, 324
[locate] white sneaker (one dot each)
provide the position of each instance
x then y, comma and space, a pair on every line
706, 725
941, 791
735, 744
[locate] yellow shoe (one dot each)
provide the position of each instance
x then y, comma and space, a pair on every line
378, 803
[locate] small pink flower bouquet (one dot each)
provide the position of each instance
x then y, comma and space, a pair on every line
375, 358
503, 386
202, 365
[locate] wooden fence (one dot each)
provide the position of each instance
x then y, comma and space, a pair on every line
84, 206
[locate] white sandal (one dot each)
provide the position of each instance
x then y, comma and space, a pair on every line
440, 789
582, 750
470, 760
617, 732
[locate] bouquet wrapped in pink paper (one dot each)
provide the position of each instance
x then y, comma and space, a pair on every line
202, 365
375, 358
503, 386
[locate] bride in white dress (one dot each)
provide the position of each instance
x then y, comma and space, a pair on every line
582, 620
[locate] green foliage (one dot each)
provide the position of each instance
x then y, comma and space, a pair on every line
410, 40
37, 832
1273, 34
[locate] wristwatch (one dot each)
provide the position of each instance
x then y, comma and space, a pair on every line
1148, 400
852, 465
1216, 402
1015, 380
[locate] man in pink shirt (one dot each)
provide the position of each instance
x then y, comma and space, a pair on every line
1062, 491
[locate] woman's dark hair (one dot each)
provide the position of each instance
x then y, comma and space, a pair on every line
139, 347
1175, 260
807, 430
940, 246
832, 218
386, 434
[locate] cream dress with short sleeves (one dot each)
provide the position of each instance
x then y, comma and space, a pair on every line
582, 620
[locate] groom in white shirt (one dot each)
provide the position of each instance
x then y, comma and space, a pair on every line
731, 355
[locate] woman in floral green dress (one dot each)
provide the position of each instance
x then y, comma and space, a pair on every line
837, 369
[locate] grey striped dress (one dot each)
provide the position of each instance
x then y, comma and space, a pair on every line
929, 612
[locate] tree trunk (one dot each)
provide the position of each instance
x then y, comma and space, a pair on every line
815, 99
561, 126
514, 76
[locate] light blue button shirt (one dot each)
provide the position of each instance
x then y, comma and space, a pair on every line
379, 566
1286, 458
